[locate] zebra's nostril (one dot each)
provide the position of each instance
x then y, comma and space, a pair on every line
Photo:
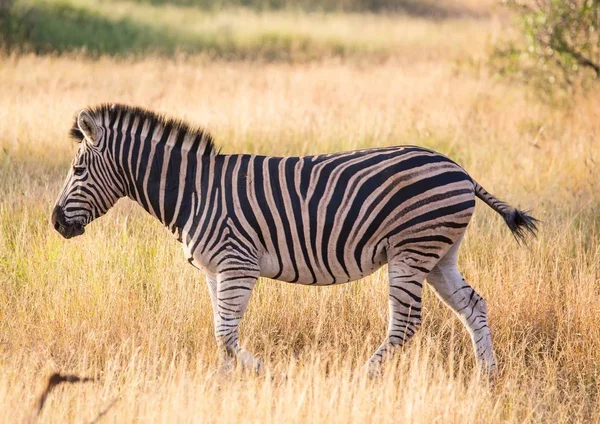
58, 218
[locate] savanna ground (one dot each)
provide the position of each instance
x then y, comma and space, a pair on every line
120, 304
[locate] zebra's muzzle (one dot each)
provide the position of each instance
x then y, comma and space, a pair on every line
64, 228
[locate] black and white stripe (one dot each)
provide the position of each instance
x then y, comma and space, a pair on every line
313, 220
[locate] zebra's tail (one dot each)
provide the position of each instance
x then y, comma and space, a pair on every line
520, 222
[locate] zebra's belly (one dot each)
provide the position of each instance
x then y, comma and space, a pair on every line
301, 273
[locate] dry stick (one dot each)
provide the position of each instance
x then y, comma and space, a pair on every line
54, 380
104, 411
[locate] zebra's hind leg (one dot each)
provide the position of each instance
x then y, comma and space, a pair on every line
454, 291
233, 292
406, 284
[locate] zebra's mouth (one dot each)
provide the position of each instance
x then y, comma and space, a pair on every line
70, 230
65, 228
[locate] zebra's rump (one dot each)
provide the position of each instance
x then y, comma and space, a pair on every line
335, 218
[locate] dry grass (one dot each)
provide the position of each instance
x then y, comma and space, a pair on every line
121, 305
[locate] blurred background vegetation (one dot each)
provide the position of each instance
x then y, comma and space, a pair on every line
230, 28
558, 44
556, 47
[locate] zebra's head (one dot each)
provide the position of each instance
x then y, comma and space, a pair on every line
93, 184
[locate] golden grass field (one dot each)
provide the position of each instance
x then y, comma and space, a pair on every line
121, 304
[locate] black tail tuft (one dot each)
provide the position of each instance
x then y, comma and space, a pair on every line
521, 224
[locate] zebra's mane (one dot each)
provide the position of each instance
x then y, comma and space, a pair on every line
107, 114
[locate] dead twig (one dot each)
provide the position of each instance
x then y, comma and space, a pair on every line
104, 411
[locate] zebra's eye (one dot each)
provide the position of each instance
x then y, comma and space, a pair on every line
78, 170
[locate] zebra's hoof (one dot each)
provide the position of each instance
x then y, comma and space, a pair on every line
225, 369
374, 371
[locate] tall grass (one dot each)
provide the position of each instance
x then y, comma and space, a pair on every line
120, 304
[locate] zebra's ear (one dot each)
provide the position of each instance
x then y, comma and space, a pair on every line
87, 126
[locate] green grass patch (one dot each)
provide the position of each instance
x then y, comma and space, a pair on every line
128, 28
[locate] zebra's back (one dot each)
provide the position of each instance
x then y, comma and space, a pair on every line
334, 218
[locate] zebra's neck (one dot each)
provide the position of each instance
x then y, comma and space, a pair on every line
162, 171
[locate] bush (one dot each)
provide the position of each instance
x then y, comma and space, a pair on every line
559, 44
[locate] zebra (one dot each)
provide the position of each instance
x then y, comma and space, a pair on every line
314, 220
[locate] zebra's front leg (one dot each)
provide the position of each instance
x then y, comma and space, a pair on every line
233, 292
225, 360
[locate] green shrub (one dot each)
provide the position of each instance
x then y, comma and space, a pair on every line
6, 24
558, 47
